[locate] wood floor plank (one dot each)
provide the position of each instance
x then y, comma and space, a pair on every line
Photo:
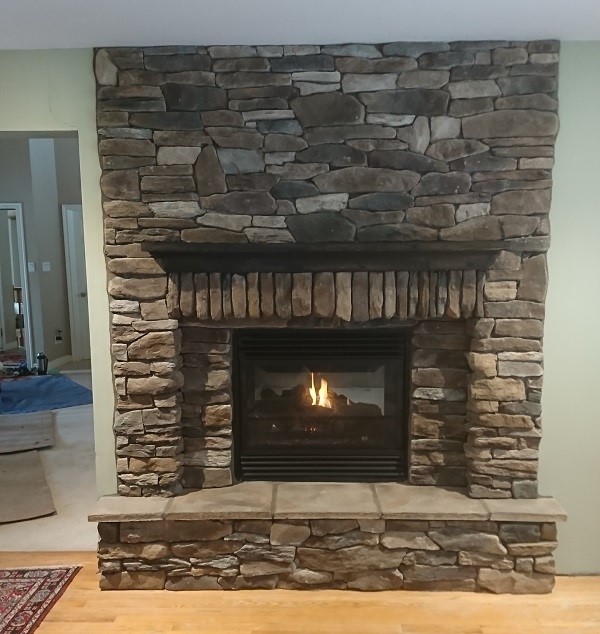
573, 608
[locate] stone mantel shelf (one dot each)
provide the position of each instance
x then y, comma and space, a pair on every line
299, 500
372, 256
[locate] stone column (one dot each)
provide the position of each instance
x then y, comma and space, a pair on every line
146, 369
504, 425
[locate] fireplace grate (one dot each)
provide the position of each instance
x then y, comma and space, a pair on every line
329, 467
359, 435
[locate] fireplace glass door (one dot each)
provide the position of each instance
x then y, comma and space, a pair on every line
320, 405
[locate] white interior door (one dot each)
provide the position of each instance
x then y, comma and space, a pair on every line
18, 273
2, 317
76, 281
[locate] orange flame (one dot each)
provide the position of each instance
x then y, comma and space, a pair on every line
320, 398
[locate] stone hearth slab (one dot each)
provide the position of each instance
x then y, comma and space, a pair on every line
319, 500
248, 500
116, 508
399, 501
538, 510
332, 500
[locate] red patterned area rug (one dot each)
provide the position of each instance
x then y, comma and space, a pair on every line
28, 594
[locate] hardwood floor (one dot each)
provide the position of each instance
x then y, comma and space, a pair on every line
573, 608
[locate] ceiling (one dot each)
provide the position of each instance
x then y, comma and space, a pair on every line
31, 24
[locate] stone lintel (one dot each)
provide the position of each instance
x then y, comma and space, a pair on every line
332, 500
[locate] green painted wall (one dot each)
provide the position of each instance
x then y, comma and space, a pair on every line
570, 450
54, 90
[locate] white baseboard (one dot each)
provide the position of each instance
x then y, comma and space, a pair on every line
58, 363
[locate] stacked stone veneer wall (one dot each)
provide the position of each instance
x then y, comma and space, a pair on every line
402, 141
341, 554
420, 142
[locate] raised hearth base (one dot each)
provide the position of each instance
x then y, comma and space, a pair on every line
334, 535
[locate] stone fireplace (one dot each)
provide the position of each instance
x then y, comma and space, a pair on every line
327, 282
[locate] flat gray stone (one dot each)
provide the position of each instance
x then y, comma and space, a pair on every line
210, 178
423, 79
435, 184
290, 190
327, 226
330, 108
368, 82
537, 510
324, 500
236, 161
415, 101
243, 202
106, 71
399, 231
382, 202
194, 98
296, 63
381, 65
402, 160
453, 149
526, 202
511, 582
414, 49
352, 50
336, 155
324, 202
401, 501
116, 508
510, 123
478, 228
247, 500
366, 179
256, 181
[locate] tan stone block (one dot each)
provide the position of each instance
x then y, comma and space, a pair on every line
155, 325
535, 278
154, 310
498, 389
516, 368
253, 295
133, 580
238, 296
343, 296
131, 368
323, 295
155, 345
154, 465
439, 377
513, 421
519, 328
134, 266
154, 384
301, 294
482, 406
137, 288
482, 365
288, 534
500, 291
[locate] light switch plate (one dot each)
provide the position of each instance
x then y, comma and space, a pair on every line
31, 267
46, 267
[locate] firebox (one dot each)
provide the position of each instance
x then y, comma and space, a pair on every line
321, 404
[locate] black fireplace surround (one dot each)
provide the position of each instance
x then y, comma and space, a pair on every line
321, 404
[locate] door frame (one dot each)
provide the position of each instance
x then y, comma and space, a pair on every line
2, 322
68, 213
22, 249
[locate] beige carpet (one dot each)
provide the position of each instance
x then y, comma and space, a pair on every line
24, 493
